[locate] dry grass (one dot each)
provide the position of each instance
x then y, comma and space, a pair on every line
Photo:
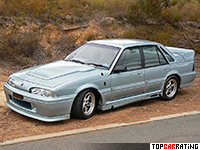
24, 43
134, 10
55, 9
162, 34
31, 8
18, 47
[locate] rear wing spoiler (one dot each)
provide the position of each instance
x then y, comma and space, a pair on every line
187, 54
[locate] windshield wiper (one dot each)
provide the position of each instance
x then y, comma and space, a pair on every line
98, 65
77, 61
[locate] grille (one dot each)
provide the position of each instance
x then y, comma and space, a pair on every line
15, 99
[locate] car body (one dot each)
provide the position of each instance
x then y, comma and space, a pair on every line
102, 74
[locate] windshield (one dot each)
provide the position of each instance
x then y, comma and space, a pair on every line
94, 54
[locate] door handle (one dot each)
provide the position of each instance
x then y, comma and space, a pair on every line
139, 73
166, 69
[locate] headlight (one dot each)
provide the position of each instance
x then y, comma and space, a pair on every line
43, 92
11, 82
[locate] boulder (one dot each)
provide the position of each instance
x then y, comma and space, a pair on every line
108, 21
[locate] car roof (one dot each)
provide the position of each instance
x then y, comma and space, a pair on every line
123, 43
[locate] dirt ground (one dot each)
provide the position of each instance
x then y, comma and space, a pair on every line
13, 125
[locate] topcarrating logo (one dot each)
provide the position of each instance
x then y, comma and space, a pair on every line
174, 146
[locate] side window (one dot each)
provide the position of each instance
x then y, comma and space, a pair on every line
168, 56
130, 59
153, 57
150, 56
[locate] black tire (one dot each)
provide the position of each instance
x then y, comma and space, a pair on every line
170, 88
84, 105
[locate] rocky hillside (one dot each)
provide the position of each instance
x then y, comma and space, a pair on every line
34, 31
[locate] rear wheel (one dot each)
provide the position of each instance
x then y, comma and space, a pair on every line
170, 88
84, 105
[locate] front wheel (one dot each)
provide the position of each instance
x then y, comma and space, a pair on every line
84, 105
170, 88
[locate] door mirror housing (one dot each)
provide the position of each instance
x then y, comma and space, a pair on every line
119, 69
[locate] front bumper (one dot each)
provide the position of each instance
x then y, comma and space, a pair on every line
38, 107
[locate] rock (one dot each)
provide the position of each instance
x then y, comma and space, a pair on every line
40, 24
151, 21
190, 24
92, 23
35, 125
2, 98
108, 21
69, 19
193, 24
2, 22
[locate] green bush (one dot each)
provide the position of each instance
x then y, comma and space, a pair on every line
142, 9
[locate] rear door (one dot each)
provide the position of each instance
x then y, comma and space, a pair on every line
129, 82
156, 68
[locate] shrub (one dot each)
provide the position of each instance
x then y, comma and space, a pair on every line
129, 34
90, 36
176, 16
159, 34
141, 9
15, 46
44, 9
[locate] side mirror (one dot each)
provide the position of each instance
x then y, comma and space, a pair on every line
119, 69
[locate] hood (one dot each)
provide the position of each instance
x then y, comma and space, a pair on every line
58, 69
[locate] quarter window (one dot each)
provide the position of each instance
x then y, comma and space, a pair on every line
168, 56
162, 59
130, 59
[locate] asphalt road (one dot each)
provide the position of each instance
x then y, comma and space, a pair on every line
177, 130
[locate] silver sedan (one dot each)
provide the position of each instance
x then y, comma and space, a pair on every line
101, 74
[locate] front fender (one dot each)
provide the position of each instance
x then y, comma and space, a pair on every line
86, 86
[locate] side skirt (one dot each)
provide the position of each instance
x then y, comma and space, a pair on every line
127, 100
